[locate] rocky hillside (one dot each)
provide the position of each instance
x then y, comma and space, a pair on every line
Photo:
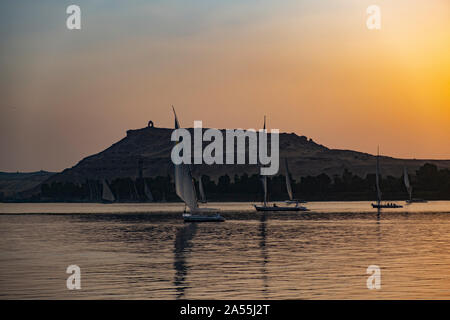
13, 183
152, 146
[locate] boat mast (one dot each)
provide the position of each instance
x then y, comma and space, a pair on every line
264, 177
377, 176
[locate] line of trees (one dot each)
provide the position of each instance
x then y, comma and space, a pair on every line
428, 182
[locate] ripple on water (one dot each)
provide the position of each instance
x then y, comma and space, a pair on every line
147, 252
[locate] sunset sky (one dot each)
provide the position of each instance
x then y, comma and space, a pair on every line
312, 67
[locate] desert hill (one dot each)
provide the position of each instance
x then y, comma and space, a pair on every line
151, 147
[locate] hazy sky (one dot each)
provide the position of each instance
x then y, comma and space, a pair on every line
311, 66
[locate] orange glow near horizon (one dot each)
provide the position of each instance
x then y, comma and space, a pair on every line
313, 69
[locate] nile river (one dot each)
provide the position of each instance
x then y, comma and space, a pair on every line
146, 251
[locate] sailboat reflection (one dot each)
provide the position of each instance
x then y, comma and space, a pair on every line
264, 253
182, 247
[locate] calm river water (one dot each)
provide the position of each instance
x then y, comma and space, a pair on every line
146, 251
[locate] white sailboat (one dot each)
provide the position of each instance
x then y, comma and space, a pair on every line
107, 195
274, 207
185, 189
409, 189
407, 184
380, 205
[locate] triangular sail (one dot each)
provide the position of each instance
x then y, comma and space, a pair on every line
184, 185
288, 181
407, 184
202, 190
148, 192
107, 194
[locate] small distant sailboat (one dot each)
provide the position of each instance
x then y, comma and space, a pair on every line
91, 193
202, 191
289, 186
409, 189
274, 207
134, 194
148, 192
379, 204
185, 189
107, 194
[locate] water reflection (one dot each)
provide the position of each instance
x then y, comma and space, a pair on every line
155, 255
264, 254
378, 234
183, 246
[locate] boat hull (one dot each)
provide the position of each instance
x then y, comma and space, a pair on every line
386, 206
266, 208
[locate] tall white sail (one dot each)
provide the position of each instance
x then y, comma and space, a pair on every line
148, 192
378, 178
202, 191
407, 184
184, 185
288, 180
107, 194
